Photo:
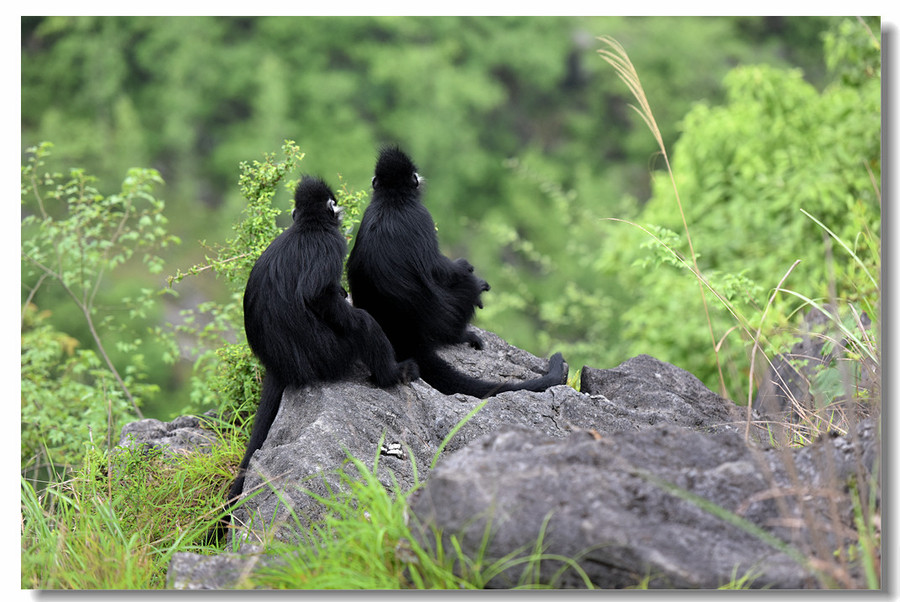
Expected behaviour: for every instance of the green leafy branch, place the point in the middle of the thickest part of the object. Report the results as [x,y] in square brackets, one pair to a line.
[224,372]
[93,235]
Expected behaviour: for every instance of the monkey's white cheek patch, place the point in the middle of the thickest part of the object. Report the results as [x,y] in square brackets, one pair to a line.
[335,208]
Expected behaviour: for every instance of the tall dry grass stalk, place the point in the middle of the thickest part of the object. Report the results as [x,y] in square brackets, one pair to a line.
[618,59]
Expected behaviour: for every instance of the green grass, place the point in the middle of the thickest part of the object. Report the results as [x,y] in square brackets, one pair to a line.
[117,521]
[367,542]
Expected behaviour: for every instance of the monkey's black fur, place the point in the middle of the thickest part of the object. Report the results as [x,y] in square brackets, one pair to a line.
[297,319]
[422,299]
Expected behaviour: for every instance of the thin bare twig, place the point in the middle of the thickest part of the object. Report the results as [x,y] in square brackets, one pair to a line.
[86,311]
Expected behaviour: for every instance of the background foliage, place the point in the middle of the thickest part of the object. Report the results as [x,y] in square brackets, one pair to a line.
[527,144]
[537,170]
[748,169]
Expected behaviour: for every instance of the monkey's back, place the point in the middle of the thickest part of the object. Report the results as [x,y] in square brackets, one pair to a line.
[291,276]
[397,273]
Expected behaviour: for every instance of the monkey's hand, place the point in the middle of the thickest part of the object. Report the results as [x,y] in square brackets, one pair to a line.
[409,370]
[463,263]
[474,340]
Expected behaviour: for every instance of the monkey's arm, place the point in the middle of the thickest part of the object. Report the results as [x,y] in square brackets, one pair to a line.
[368,338]
[464,263]
[332,308]
[457,276]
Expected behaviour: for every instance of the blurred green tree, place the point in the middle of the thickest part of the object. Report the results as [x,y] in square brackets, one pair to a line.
[492,108]
[746,172]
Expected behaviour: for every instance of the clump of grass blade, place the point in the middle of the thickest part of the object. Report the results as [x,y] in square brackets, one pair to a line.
[116,523]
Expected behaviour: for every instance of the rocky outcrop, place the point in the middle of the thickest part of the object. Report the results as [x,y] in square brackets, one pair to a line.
[644,391]
[680,508]
[184,434]
[318,426]
[617,471]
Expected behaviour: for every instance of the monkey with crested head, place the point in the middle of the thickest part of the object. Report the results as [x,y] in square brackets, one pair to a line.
[421,298]
[297,318]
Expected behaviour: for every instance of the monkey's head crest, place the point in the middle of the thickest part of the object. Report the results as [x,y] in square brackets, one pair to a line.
[395,169]
[313,197]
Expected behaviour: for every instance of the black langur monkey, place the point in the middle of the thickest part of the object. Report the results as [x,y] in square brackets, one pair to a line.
[297,319]
[422,299]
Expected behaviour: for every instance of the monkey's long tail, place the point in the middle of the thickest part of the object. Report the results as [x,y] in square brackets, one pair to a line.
[448,380]
[269,402]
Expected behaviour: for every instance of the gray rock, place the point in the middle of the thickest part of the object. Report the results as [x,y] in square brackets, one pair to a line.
[644,391]
[224,571]
[593,458]
[184,434]
[607,505]
[318,426]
